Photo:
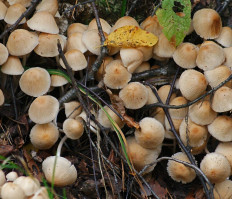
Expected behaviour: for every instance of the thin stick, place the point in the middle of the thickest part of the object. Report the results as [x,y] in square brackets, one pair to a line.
[132,7]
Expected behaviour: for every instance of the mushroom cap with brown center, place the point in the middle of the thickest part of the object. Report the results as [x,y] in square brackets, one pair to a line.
[73,128]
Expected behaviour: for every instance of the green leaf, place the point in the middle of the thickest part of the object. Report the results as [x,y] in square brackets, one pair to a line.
[175,27]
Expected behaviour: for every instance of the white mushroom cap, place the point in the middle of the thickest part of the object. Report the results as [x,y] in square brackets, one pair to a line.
[221,128]
[72,109]
[10,190]
[3,10]
[21,42]
[50,6]
[35,81]
[57,81]
[12,66]
[105,26]
[225,38]
[207,23]
[222,100]
[28,184]
[44,136]
[75,59]
[134,95]
[216,167]
[14,12]
[124,21]
[65,173]
[43,109]
[75,42]
[2,177]
[42,193]
[76,27]
[73,128]
[179,172]
[11,176]
[192,84]
[3,54]
[151,133]
[223,190]
[44,22]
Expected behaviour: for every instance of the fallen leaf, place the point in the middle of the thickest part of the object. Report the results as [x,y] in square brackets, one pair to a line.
[5,150]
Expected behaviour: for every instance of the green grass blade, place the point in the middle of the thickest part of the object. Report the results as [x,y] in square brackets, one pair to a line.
[123,8]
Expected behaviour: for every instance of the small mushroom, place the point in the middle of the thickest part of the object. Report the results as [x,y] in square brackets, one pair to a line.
[14,12]
[223,190]
[225,38]
[50,6]
[10,190]
[73,128]
[11,176]
[12,66]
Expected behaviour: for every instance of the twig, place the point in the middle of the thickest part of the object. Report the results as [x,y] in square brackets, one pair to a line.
[132,7]
[34,3]
[156,8]
[13,96]
[222,7]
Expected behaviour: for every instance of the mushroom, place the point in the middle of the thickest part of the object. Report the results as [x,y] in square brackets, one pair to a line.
[10,190]
[151,96]
[3,54]
[2,98]
[76,27]
[228,57]
[11,176]
[124,21]
[225,38]
[176,123]
[2,178]
[25,3]
[216,167]
[13,13]
[151,24]
[142,67]
[72,109]
[105,26]
[44,136]
[50,6]
[178,171]
[73,128]
[101,71]
[223,190]
[178,113]
[58,81]
[42,193]
[75,42]
[151,133]
[12,66]
[3,10]
[163,92]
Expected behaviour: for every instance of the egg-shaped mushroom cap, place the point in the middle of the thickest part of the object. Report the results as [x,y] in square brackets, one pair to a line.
[192,84]
[116,75]
[76,27]
[72,109]
[14,12]
[228,59]
[2,177]
[207,23]
[221,128]
[185,55]
[12,66]
[124,21]
[218,75]
[75,42]
[163,93]
[104,121]
[43,109]
[21,42]
[225,38]
[50,6]
[65,173]
[3,10]
[201,113]
[28,184]
[192,134]
[225,148]
[12,176]
[210,55]
[216,167]
[43,22]
[151,24]
[134,95]
[105,26]
[179,172]
[44,136]
[178,113]
[141,156]
[10,190]
[151,133]
[35,81]
[73,128]
[3,54]
[223,190]
[222,100]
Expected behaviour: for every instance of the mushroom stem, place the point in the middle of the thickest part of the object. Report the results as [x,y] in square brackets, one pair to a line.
[60,145]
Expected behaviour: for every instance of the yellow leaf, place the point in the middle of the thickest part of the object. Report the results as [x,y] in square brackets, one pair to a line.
[130,36]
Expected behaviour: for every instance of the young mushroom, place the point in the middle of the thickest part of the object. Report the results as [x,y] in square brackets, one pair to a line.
[10,190]
[223,190]
[73,128]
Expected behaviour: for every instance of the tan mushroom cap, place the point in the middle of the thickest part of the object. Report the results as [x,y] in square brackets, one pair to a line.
[44,136]
[221,128]
[12,66]
[134,95]
[210,55]
[164,48]
[228,57]
[222,100]
[14,12]
[73,128]
[159,114]
[44,22]
[47,46]
[225,38]
[57,81]
[116,75]
[225,148]
[201,113]
[75,42]
[11,190]
[2,98]
[223,190]
[151,96]
[101,71]
[176,122]
[131,58]
[21,42]
[178,113]
[105,26]
[185,55]
[151,133]
[72,109]
[25,3]
[179,172]
[140,156]
[35,81]
[3,54]
[104,121]
[147,52]
[76,60]
[216,167]
[218,75]
[151,24]
[192,84]
[65,172]
[43,109]
[124,21]
[3,10]
[12,176]
[76,27]
[207,23]
[143,67]
[193,134]
[163,93]
[50,6]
